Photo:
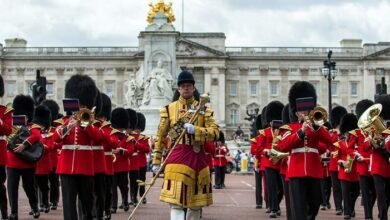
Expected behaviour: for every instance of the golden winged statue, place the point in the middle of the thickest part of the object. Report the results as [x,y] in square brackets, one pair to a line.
[160,6]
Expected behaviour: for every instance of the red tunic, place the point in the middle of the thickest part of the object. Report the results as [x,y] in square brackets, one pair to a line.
[220,155]
[304,153]
[13,161]
[143,148]
[357,137]
[124,142]
[333,166]
[345,150]
[44,165]
[379,165]
[265,144]
[98,150]
[255,152]
[76,155]
[5,130]
[108,148]
[209,148]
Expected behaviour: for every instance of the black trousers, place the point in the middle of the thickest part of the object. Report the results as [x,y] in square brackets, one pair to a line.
[336,186]
[74,186]
[367,188]
[29,186]
[265,189]
[382,187]
[219,176]
[326,185]
[54,181]
[108,193]
[120,181]
[259,187]
[274,188]
[43,186]
[133,176]
[99,188]
[306,197]
[3,193]
[350,192]
[142,176]
[287,197]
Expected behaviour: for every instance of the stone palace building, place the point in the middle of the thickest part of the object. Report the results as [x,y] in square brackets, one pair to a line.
[237,78]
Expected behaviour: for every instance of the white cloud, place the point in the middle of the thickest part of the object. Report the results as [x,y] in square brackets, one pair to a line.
[245,22]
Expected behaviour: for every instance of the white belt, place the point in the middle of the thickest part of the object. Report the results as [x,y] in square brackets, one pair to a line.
[76,147]
[220,155]
[304,150]
[97,147]
[108,153]
[4,138]
[134,154]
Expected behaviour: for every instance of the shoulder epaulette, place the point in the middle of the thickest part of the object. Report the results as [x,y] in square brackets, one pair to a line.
[130,138]
[105,123]
[336,144]
[36,126]
[262,132]
[114,131]
[387,131]
[353,132]
[164,111]
[60,121]
[143,137]
[286,127]
[253,140]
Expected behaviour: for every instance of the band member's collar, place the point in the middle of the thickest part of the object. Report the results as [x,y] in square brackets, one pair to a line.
[186,101]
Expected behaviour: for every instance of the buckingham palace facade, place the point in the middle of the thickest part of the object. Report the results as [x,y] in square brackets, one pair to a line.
[237,78]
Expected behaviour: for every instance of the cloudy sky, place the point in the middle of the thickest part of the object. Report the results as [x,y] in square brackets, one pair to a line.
[245,22]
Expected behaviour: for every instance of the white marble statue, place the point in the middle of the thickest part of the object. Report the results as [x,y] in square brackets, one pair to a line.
[131,93]
[158,84]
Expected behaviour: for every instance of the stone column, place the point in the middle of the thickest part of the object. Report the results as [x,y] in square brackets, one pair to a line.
[284,84]
[207,79]
[20,80]
[120,91]
[60,84]
[264,87]
[99,78]
[369,82]
[243,94]
[222,97]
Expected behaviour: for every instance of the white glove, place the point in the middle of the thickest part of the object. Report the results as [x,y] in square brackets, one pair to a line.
[190,128]
[155,168]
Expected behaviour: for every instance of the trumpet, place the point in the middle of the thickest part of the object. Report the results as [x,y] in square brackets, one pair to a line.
[348,164]
[85,117]
[318,116]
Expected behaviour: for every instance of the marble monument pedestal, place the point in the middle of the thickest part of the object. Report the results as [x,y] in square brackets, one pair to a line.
[152,114]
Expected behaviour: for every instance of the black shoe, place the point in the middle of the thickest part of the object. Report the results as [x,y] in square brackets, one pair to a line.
[113,210]
[328,206]
[144,201]
[223,186]
[279,213]
[339,211]
[353,214]
[126,208]
[107,217]
[347,217]
[36,214]
[268,211]
[323,207]
[121,206]
[135,202]
[53,206]
[46,209]
[272,215]
[259,206]
[13,217]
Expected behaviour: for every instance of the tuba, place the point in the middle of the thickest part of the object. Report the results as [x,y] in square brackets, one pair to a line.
[318,116]
[85,117]
[276,155]
[373,124]
[348,164]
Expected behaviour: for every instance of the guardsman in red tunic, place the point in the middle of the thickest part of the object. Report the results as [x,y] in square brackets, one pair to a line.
[258,174]
[76,163]
[44,165]
[348,175]
[380,166]
[303,144]
[16,166]
[54,182]
[364,150]
[220,161]
[143,148]
[5,130]
[335,118]
[133,158]
[326,182]
[267,140]
[105,128]
[119,123]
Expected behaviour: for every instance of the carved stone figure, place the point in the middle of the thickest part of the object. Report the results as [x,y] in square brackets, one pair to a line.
[158,84]
[131,93]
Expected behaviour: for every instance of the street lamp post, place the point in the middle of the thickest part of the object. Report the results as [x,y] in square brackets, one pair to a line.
[329,71]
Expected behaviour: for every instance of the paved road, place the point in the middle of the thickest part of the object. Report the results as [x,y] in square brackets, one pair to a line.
[237,201]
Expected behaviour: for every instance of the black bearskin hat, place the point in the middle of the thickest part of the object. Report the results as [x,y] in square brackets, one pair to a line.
[132,122]
[274,111]
[42,116]
[385,101]
[362,106]
[98,103]
[176,95]
[221,137]
[82,87]
[141,121]
[259,125]
[23,105]
[301,89]
[286,114]
[119,118]
[1,86]
[336,114]
[106,106]
[185,77]
[263,118]
[53,106]
[348,123]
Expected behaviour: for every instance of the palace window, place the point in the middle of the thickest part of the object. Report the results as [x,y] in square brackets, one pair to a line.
[11,88]
[354,88]
[110,88]
[335,91]
[233,88]
[253,88]
[50,88]
[274,90]
[233,117]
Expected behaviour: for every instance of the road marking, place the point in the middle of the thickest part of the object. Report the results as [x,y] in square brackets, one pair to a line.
[249,185]
[234,201]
